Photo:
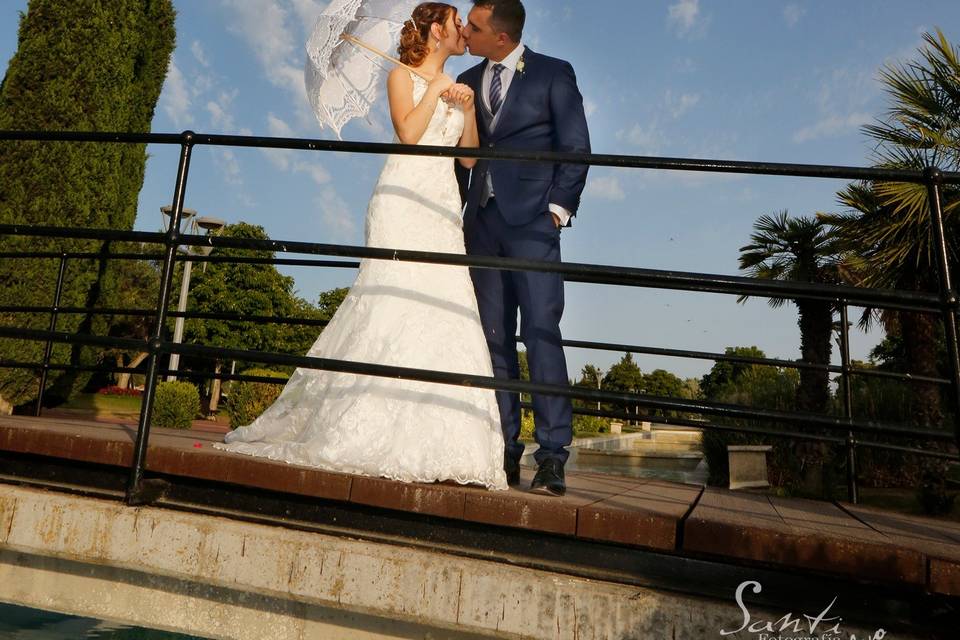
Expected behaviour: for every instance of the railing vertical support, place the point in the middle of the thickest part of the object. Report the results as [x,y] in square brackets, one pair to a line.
[853,494]
[136,493]
[48,350]
[948,295]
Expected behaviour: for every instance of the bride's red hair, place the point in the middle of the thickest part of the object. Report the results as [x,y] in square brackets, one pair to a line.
[415,36]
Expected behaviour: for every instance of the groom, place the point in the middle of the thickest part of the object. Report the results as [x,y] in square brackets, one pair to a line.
[529,102]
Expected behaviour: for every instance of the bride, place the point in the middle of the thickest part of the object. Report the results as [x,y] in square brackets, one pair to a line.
[399,313]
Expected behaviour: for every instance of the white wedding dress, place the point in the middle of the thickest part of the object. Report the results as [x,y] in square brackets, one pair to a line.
[402,314]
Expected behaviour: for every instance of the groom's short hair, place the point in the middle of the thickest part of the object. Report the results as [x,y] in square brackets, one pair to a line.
[508,16]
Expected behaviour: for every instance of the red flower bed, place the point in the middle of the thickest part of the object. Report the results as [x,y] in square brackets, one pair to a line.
[119,391]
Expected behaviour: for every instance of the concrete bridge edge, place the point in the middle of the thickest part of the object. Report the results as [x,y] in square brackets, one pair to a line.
[222,578]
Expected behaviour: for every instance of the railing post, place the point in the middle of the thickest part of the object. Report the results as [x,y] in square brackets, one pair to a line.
[846,391]
[48,350]
[136,493]
[948,295]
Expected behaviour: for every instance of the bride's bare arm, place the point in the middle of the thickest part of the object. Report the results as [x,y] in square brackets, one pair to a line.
[470,139]
[410,121]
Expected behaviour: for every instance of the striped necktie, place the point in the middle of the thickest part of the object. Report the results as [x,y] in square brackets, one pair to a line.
[496,100]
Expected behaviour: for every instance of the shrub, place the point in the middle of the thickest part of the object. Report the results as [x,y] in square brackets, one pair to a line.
[176,405]
[589,425]
[527,426]
[249,399]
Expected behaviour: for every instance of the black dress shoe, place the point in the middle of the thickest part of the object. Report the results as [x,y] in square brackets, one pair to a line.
[549,478]
[512,468]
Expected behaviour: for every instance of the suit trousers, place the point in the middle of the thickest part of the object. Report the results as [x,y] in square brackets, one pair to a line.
[539,298]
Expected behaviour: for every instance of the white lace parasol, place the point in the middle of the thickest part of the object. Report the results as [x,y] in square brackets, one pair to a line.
[343,80]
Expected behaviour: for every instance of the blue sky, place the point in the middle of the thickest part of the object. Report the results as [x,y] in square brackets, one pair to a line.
[770,80]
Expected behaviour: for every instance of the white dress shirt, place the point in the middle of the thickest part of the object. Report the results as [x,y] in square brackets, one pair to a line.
[506,78]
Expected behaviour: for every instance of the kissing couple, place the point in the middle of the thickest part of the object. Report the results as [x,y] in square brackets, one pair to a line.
[445,317]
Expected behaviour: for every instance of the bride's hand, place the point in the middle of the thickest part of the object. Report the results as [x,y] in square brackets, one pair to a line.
[460,94]
[440,84]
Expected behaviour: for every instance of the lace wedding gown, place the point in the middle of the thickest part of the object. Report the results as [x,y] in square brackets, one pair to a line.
[401,314]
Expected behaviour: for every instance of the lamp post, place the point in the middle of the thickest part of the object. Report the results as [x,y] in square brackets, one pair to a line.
[196,223]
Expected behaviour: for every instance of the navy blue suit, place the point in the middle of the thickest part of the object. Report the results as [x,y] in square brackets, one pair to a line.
[542,111]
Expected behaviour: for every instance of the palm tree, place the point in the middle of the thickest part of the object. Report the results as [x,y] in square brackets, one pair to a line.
[799,250]
[887,228]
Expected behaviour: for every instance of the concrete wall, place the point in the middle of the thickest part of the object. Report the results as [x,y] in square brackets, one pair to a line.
[222,578]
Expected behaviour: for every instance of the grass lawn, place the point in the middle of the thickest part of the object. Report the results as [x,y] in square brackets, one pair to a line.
[103,405]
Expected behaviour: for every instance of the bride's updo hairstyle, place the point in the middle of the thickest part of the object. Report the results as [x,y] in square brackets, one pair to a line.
[415,36]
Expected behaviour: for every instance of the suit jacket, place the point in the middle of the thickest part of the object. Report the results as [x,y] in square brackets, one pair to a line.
[542,111]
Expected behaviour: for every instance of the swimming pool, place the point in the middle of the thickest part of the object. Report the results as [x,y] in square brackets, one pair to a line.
[22,623]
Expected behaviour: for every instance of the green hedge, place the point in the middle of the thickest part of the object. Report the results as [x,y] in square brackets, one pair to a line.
[247,400]
[85,65]
[587,426]
[176,405]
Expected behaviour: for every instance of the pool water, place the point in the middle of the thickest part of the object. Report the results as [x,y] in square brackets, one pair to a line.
[22,623]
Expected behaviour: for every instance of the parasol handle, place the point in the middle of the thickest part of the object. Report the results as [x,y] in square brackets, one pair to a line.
[360,43]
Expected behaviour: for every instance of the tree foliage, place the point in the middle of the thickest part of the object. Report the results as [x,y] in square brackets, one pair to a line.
[888,229]
[761,387]
[247,290]
[800,249]
[84,65]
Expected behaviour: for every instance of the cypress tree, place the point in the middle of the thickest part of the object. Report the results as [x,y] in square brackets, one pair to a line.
[83,65]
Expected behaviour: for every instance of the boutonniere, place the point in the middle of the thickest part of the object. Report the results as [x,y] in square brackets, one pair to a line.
[521,64]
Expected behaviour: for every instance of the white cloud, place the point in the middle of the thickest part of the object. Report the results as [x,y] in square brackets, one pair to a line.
[685,18]
[264,26]
[678,105]
[684,65]
[275,31]
[844,101]
[199,54]
[792,14]
[832,126]
[335,216]
[227,161]
[307,12]
[606,188]
[290,160]
[589,107]
[220,111]
[648,140]
[277,128]
[175,97]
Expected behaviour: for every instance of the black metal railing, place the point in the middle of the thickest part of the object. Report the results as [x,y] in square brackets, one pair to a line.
[943,302]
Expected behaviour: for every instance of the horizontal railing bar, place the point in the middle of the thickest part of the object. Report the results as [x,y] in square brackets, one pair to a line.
[895,375]
[92,136]
[13,364]
[901,449]
[669,420]
[579,344]
[286,262]
[189,315]
[578,272]
[699,355]
[700,424]
[181,258]
[485,382]
[74,233]
[80,256]
[552,157]
[723,357]
[605,274]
